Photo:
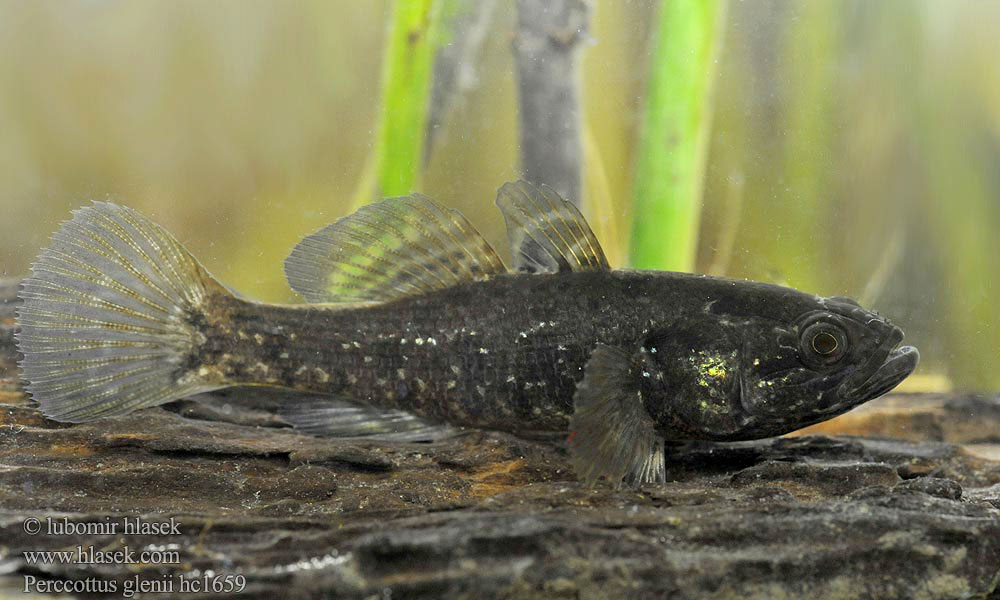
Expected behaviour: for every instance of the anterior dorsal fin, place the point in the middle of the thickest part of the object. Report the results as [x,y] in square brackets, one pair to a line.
[390,249]
[611,432]
[547,234]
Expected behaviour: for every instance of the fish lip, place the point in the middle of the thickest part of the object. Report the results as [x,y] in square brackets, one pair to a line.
[897,367]
[896,364]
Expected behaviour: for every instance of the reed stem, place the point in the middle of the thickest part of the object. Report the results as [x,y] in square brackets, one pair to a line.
[406,86]
[670,168]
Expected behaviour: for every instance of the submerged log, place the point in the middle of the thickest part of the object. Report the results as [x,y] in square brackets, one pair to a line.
[250,505]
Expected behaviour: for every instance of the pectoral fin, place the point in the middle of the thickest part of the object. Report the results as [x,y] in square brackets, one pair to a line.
[546,233]
[612,435]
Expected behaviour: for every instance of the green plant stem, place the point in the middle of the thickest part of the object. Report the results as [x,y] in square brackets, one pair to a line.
[406,86]
[670,168]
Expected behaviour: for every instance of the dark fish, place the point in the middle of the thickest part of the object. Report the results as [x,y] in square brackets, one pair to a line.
[414,324]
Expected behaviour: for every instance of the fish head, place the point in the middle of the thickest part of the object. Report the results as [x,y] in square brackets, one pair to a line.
[782,362]
[833,356]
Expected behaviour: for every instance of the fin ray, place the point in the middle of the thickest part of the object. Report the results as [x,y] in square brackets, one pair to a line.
[390,249]
[331,417]
[547,234]
[105,320]
[613,435]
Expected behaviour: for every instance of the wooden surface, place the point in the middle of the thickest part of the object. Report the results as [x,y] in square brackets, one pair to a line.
[487,515]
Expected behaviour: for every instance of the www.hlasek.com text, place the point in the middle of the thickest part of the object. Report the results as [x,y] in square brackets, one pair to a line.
[88,555]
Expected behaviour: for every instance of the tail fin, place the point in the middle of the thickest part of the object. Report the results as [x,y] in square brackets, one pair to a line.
[106,323]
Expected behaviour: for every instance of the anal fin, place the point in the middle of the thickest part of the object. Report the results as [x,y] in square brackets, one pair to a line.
[612,435]
[332,417]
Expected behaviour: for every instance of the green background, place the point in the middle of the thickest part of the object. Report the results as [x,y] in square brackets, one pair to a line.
[854,146]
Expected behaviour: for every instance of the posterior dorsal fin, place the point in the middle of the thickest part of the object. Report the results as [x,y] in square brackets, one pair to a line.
[386,250]
[612,435]
[547,234]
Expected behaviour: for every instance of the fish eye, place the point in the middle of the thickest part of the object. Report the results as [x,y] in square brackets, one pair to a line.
[824,342]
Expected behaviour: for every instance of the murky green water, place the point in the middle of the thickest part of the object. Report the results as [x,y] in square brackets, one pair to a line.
[853,145]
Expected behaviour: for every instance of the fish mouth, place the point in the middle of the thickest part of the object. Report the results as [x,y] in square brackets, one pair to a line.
[896,363]
[894,370]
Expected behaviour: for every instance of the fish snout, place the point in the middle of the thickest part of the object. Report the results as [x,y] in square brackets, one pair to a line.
[887,367]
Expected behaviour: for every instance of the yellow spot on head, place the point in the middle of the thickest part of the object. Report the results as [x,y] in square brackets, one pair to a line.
[712,365]
[716,371]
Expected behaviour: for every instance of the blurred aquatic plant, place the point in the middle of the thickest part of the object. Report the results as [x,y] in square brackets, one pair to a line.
[852,142]
[604,217]
[620,36]
[548,40]
[397,157]
[673,143]
[457,61]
